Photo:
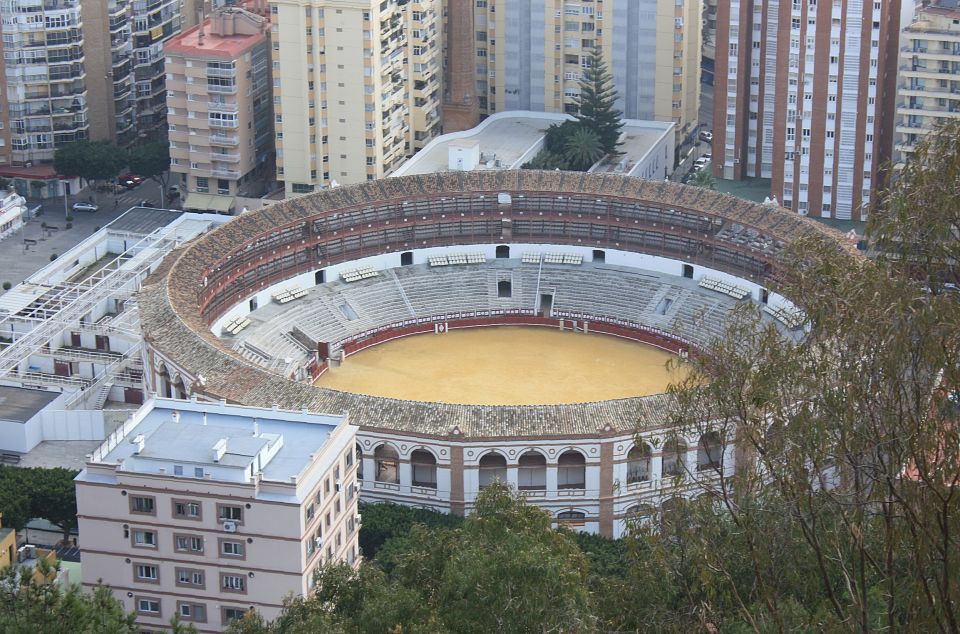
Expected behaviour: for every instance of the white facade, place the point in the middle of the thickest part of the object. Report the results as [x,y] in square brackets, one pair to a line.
[12,208]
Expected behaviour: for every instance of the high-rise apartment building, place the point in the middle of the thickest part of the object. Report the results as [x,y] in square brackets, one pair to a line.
[109,60]
[804,96]
[154,22]
[356,87]
[530,55]
[219,107]
[206,510]
[44,97]
[928,92]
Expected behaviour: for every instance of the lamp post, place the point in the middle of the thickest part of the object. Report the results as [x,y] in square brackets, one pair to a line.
[66,211]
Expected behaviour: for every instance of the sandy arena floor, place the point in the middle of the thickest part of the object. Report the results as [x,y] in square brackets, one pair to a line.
[505,366]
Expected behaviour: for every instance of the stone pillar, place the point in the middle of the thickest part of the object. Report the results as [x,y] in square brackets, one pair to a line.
[456,480]
[606,489]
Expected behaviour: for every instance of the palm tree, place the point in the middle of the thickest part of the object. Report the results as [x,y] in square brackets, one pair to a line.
[704,179]
[583,149]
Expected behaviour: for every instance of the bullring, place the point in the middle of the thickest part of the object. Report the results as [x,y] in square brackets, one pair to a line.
[581,461]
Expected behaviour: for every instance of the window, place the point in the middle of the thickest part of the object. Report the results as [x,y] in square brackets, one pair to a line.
[144,539]
[190,577]
[673,454]
[196,612]
[229,548]
[187,509]
[493,468]
[233,583]
[143,504]
[424,467]
[709,452]
[203,184]
[148,606]
[146,572]
[638,464]
[188,544]
[532,472]
[571,470]
[229,513]
[232,614]
[387,461]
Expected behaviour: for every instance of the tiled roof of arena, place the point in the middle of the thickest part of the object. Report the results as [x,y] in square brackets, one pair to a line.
[175,325]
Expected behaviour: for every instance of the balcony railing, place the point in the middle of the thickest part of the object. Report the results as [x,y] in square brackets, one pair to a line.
[226,158]
[225,173]
[224,90]
[230,140]
[222,107]
[219,123]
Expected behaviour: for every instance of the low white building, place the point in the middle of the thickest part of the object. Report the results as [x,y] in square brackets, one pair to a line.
[206,510]
[13,207]
[507,140]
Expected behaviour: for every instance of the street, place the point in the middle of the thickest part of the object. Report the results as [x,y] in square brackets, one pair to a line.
[20,259]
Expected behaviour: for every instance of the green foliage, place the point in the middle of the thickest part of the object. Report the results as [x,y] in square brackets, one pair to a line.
[7,286]
[26,493]
[595,104]
[382,522]
[152,160]
[90,160]
[704,179]
[583,149]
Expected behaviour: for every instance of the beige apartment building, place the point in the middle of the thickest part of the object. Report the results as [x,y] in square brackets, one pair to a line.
[928,91]
[530,55]
[206,510]
[356,88]
[219,110]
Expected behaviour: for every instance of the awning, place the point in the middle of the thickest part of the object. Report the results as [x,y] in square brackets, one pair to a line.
[208,202]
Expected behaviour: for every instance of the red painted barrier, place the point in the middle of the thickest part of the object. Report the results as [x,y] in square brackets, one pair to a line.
[389,333]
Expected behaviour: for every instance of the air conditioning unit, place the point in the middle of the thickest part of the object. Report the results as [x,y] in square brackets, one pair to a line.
[339,485]
[318,541]
[359,520]
[230,527]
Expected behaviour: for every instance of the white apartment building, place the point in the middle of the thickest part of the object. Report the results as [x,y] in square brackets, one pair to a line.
[928,91]
[45,91]
[530,55]
[804,96]
[356,87]
[208,510]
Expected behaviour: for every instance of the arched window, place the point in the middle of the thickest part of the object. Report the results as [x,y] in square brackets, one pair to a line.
[639,514]
[388,463]
[532,472]
[179,390]
[709,451]
[503,251]
[504,288]
[571,518]
[638,464]
[571,470]
[671,513]
[673,454]
[493,468]
[359,462]
[424,467]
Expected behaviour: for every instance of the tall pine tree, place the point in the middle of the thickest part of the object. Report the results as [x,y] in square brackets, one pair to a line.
[595,104]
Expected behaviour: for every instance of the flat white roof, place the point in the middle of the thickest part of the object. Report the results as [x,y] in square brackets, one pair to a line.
[514,137]
[280,444]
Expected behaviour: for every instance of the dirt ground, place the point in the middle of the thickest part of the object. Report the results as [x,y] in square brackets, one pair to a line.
[505,366]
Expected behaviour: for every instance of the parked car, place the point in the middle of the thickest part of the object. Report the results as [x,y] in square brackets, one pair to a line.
[85,207]
[707,156]
[706,135]
[146,203]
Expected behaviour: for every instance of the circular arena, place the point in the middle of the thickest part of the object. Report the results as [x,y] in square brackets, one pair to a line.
[259,310]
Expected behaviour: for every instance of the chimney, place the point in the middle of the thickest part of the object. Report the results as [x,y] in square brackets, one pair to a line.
[219,449]
[256,427]
[204,418]
[201,33]
[140,441]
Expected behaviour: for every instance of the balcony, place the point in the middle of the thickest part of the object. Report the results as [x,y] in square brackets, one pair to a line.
[223,90]
[226,158]
[215,106]
[219,123]
[225,140]
[225,173]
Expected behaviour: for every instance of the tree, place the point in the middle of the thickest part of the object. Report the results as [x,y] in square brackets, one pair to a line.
[583,149]
[152,160]
[26,493]
[595,104]
[505,570]
[843,512]
[703,179]
[90,160]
